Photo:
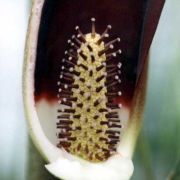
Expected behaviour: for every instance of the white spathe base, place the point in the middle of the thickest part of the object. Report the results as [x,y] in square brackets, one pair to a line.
[69,168]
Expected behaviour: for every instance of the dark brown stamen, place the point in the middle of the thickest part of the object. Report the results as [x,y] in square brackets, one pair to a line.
[80,105]
[112,132]
[99,157]
[112,42]
[75,46]
[82,93]
[105,50]
[113,106]
[91,73]
[79,147]
[100,67]
[114,120]
[77,116]
[64,135]
[72,138]
[83,66]
[90,48]
[109,75]
[66,128]
[63,116]
[69,111]
[115,126]
[100,78]
[66,103]
[112,70]
[82,80]
[86,149]
[64,144]
[71,99]
[93,27]
[113,137]
[71,53]
[111,115]
[104,123]
[77,40]
[67,79]
[104,35]
[92,58]
[99,89]
[64,122]
[113,142]
[82,55]
[65,92]
[99,131]
[114,93]
[69,62]
[67,74]
[102,110]
[103,139]
[96,103]
[96,117]
[111,84]
[114,54]
[80,34]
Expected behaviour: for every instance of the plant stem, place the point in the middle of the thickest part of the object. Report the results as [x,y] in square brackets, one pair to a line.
[175,173]
[35,166]
[144,150]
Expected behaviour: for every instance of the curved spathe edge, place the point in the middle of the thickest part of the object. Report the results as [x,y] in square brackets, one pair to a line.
[128,143]
[48,150]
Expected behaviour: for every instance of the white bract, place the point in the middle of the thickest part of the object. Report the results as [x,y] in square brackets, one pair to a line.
[69,168]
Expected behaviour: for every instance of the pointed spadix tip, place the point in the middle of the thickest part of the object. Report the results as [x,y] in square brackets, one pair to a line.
[93,19]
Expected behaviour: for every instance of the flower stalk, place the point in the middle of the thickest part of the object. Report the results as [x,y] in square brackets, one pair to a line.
[35,165]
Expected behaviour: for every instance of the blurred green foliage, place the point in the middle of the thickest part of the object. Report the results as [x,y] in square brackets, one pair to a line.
[158,148]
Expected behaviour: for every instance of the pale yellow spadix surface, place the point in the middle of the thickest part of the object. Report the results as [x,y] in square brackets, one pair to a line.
[87,144]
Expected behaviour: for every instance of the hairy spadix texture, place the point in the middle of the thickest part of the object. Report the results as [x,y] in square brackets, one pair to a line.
[88,116]
[89,122]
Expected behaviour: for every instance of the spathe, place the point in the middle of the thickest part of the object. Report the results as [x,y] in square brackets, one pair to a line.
[134,21]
